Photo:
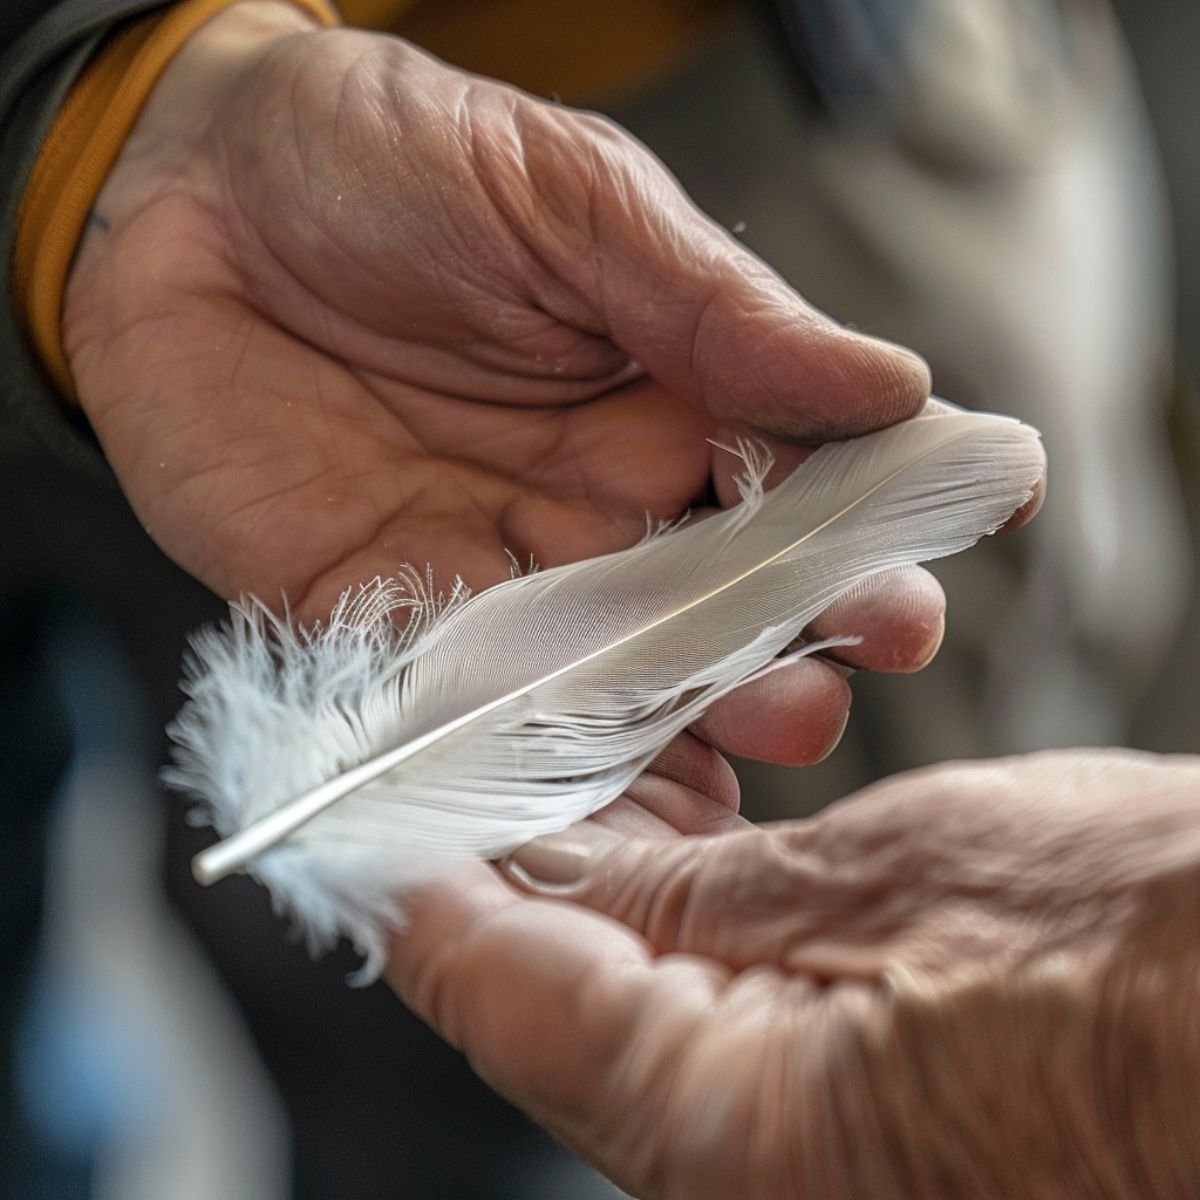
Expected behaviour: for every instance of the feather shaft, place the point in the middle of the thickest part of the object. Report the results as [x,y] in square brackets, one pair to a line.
[344,764]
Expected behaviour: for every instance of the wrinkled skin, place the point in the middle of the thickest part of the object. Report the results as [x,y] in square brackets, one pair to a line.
[342,307]
[977,980]
[373,308]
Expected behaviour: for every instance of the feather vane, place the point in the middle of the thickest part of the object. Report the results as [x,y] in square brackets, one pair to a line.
[350,762]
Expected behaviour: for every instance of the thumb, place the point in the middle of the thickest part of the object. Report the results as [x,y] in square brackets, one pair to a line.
[712,322]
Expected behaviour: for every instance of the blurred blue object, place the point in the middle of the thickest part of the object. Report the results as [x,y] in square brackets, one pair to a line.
[79,1077]
[849,51]
[133,1079]
[82,1077]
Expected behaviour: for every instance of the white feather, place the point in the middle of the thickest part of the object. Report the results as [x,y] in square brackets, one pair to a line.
[540,700]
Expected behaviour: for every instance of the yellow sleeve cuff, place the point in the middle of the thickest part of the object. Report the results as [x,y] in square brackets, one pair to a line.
[83,143]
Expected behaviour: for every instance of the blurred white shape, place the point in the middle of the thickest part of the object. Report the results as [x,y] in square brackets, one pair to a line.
[198,1118]
[1005,216]
[1019,213]
[983,82]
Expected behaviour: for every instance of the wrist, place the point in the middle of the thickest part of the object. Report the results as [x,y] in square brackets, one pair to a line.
[136,118]
[169,143]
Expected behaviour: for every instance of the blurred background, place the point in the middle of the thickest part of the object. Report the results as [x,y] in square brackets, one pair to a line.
[989,181]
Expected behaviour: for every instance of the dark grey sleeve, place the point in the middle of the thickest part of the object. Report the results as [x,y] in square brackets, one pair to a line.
[43,47]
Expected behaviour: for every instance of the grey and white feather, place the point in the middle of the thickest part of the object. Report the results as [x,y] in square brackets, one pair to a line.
[480,722]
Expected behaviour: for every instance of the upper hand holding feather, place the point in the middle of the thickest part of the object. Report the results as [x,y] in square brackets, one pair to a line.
[351,308]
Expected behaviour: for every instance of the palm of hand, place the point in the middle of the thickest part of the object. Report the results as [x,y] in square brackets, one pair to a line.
[961,983]
[355,383]
[373,310]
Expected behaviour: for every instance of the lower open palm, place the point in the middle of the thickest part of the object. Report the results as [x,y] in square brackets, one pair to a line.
[976,980]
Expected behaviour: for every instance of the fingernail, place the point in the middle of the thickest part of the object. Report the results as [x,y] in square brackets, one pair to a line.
[908,375]
[559,861]
[929,651]
[913,362]
[836,740]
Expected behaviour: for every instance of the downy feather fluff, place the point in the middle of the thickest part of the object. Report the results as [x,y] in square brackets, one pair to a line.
[554,690]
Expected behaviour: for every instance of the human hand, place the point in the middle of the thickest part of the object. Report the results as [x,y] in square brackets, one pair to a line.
[346,307]
[976,980]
